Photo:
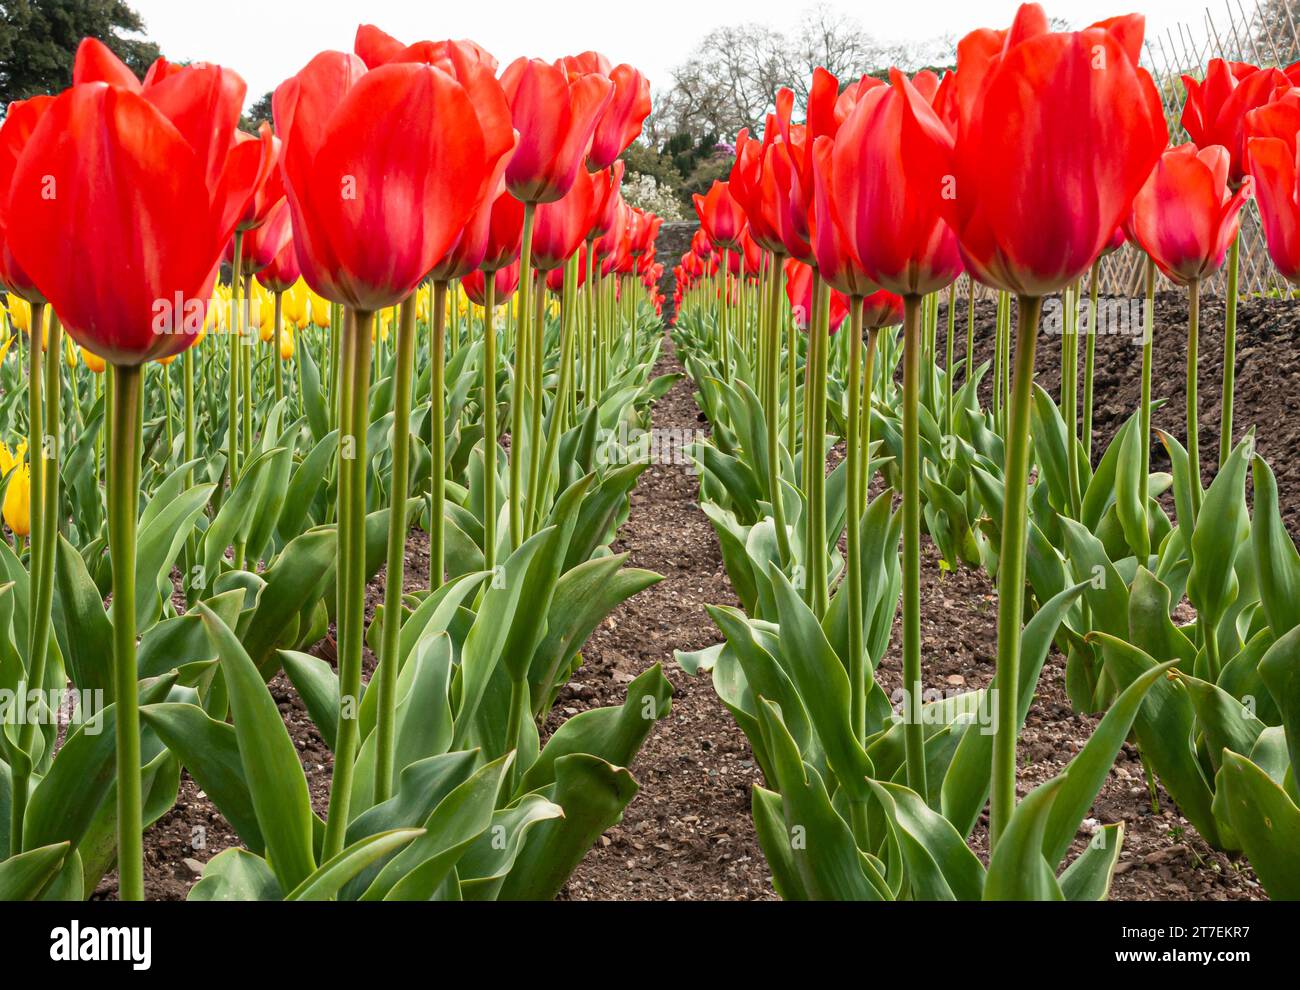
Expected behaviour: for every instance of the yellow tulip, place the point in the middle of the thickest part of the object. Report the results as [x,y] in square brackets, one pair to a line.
[261,311]
[70,354]
[20,312]
[164,361]
[4,347]
[286,345]
[93,361]
[218,307]
[320,311]
[295,306]
[17,504]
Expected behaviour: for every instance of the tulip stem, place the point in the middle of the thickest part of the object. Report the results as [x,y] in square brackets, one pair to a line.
[559,408]
[1229,351]
[1144,410]
[864,428]
[336,328]
[786,328]
[914,731]
[537,355]
[1011,570]
[246,384]
[853,563]
[351,569]
[279,329]
[814,467]
[588,347]
[1090,360]
[187,413]
[43,511]
[948,355]
[1193,371]
[123,503]
[522,338]
[395,573]
[771,393]
[232,426]
[489,422]
[998,424]
[970,332]
[1070,393]
[723,334]
[437,435]
[165,374]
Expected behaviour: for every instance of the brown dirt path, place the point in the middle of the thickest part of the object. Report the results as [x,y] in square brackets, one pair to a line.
[688,835]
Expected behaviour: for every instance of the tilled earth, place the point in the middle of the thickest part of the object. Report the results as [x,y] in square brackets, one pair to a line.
[688,833]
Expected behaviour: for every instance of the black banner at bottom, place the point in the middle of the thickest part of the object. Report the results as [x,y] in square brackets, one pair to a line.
[337,940]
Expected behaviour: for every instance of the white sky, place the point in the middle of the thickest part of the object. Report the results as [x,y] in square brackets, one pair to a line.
[268,40]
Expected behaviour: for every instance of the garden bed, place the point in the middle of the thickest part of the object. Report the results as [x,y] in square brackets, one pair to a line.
[688,834]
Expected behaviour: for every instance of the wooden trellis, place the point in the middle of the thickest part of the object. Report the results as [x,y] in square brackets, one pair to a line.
[1240,33]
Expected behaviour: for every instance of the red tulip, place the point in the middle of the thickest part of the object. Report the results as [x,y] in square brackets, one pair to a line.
[148,184]
[271,250]
[754,255]
[562,226]
[882,309]
[619,258]
[466,62]
[781,188]
[799,291]
[555,277]
[642,232]
[475,69]
[607,186]
[556,118]
[644,262]
[882,200]
[1271,156]
[700,243]
[850,95]
[504,281]
[1216,108]
[1186,217]
[1031,212]
[376,48]
[467,254]
[747,188]
[399,153]
[270,190]
[837,262]
[616,238]
[491,237]
[20,121]
[822,121]
[721,217]
[505,233]
[621,122]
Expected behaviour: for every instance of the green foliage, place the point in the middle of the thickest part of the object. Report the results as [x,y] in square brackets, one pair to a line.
[39,38]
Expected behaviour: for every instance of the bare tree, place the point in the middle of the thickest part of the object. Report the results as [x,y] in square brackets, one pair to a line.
[730,79]
[1277,31]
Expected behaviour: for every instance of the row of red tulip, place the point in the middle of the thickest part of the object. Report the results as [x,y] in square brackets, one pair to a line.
[387,167]
[904,186]
[422,145]
[1043,151]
